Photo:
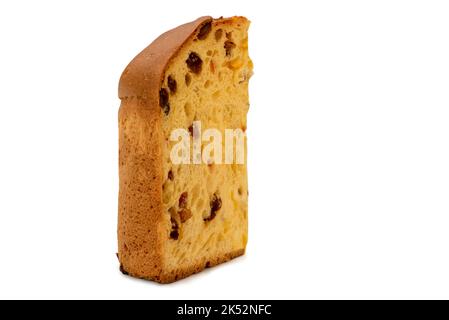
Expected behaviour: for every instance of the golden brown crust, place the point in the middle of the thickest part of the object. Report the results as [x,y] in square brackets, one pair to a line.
[183,273]
[140,175]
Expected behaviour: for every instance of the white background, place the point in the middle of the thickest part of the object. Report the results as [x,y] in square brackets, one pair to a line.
[348,148]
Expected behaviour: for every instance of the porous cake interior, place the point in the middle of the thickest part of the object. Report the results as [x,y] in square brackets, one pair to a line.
[206,204]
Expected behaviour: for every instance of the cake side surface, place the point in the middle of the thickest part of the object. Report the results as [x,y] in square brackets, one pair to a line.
[140,248]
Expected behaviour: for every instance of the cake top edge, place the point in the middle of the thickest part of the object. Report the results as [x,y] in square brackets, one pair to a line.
[144,74]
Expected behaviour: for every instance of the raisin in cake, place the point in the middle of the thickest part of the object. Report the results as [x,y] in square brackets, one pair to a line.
[177,219]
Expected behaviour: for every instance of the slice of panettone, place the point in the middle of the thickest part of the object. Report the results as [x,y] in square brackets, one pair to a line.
[181,214]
